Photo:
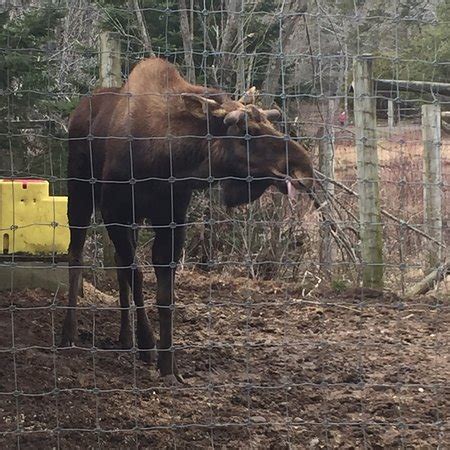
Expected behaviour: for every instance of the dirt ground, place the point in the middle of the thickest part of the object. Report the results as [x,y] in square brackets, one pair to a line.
[264,366]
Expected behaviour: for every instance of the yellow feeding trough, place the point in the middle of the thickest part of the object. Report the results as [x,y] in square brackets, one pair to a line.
[32,221]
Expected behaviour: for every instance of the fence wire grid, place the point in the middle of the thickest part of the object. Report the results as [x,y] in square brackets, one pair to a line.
[304,318]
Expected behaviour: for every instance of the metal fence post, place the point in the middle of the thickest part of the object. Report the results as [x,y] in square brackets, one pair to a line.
[367,163]
[432,178]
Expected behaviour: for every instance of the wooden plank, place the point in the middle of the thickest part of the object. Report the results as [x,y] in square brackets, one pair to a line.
[425,87]
[429,282]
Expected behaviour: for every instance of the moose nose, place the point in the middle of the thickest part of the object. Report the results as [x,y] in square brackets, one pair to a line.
[298,178]
[302,180]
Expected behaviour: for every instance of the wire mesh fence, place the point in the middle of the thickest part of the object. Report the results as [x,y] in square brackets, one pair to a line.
[289,160]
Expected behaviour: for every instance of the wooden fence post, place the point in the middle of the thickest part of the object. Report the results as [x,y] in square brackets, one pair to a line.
[390,114]
[432,178]
[110,70]
[110,76]
[326,166]
[371,229]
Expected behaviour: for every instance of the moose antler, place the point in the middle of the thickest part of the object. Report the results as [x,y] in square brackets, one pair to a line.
[250,96]
[233,117]
[272,114]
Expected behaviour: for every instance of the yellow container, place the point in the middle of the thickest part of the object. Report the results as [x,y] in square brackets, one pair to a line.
[31,221]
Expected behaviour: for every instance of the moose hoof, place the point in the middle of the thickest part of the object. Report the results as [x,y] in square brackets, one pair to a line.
[68,337]
[69,330]
[173,380]
[167,366]
[67,342]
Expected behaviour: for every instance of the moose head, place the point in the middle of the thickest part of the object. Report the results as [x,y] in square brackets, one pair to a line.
[251,148]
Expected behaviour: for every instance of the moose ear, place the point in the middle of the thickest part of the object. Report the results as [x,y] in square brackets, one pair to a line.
[201,107]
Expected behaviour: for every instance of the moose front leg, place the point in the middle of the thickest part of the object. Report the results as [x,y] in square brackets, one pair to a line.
[79,214]
[69,331]
[166,253]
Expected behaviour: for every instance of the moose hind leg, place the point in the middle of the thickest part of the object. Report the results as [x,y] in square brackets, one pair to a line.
[125,250]
[125,335]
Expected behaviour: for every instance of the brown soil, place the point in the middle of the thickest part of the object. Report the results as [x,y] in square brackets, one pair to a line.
[265,368]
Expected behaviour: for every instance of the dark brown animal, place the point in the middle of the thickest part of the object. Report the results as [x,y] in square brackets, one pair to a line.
[137,152]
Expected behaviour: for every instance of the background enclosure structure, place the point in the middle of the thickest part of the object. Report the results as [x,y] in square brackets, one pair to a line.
[279,344]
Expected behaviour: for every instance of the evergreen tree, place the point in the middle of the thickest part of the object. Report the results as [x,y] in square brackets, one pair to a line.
[27,82]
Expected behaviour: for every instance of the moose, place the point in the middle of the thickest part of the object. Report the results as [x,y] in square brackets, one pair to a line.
[137,153]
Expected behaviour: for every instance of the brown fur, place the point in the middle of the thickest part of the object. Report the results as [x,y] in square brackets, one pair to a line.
[138,152]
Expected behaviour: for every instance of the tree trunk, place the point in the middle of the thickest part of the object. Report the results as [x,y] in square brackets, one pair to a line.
[229,33]
[142,28]
[272,80]
[187,41]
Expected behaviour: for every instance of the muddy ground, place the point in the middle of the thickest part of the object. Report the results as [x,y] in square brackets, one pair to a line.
[264,366]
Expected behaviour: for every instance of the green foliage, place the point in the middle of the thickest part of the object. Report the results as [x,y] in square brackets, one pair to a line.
[339,285]
[422,52]
[26,43]
[428,56]
[162,20]
[27,80]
